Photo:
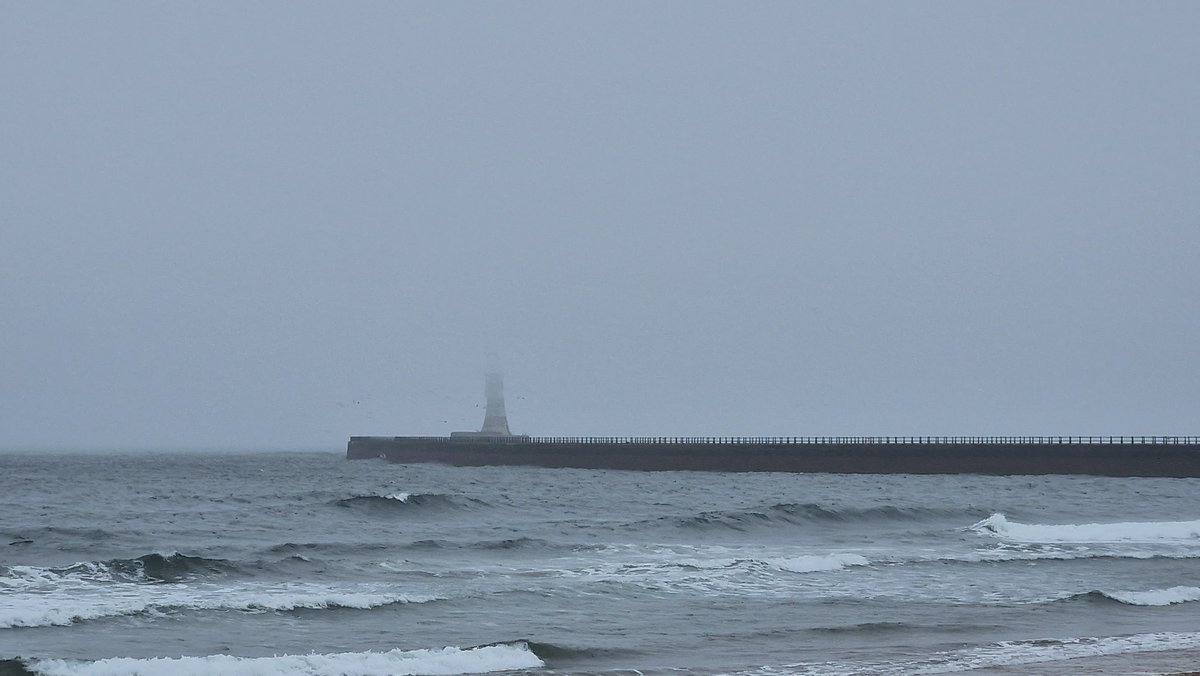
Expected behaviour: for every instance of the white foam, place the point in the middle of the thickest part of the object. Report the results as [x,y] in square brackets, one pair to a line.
[1059,553]
[1156,597]
[707,564]
[402,497]
[756,571]
[741,560]
[1144,532]
[25,578]
[443,661]
[1001,655]
[70,601]
[1016,653]
[815,563]
[20,578]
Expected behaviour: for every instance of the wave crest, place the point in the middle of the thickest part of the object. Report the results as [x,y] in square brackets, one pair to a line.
[446,661]
[997,525]
[815,563]
[1155,597]
[1008,656]
[155,568]
[171,567]
[75,601]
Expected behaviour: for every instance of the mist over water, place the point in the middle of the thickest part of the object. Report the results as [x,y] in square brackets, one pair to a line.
[275,227]
[312,564]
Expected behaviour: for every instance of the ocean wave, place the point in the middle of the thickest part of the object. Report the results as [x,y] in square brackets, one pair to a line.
[1052,553]
[1001,655]
[170,567]
[712,571]
[817,512]
[1151,597]
[408,501]
[445,661]
[1017,653]
[1157,597]
[148,568]
[817,563]
[58,534]
[65,605]
[813,513]
[85,533]
[487,545]
[339,548]
[557,654]
[342,549]
[998,525]
[15,667]
[805,563]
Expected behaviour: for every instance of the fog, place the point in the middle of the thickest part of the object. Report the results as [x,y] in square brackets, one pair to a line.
[279,224]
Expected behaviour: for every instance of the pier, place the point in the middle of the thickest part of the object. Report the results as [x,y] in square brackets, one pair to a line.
[940,440]
[494,444]
[1130,456]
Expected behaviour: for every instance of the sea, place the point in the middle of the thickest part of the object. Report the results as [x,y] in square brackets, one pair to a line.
[309,563]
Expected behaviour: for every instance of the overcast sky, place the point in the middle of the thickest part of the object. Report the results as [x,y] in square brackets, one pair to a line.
[278,224]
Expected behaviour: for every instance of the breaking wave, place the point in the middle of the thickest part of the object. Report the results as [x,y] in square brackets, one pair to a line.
[449,660]
[713,573]
[558,654]
[1157,597]
[815,563]
[148,568]
[1008,554]
[60,601]
[168,568]
[1038,651]
[998,525]
[1151,597]
[1004,655]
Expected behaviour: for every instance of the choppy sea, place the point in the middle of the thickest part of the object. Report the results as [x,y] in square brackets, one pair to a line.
[307,563]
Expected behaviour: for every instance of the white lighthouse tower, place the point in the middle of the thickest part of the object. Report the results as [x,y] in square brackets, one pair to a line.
[495,419]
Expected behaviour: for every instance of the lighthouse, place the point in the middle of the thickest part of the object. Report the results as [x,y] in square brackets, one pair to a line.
[495,420]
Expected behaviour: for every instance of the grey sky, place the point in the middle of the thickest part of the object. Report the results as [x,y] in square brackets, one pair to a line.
[280,224]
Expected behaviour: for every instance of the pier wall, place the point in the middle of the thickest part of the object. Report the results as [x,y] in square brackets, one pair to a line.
[1105,456]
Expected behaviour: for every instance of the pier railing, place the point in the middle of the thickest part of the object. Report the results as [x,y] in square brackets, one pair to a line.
[760,441]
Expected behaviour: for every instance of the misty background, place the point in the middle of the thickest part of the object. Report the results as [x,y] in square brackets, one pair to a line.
[277,224]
